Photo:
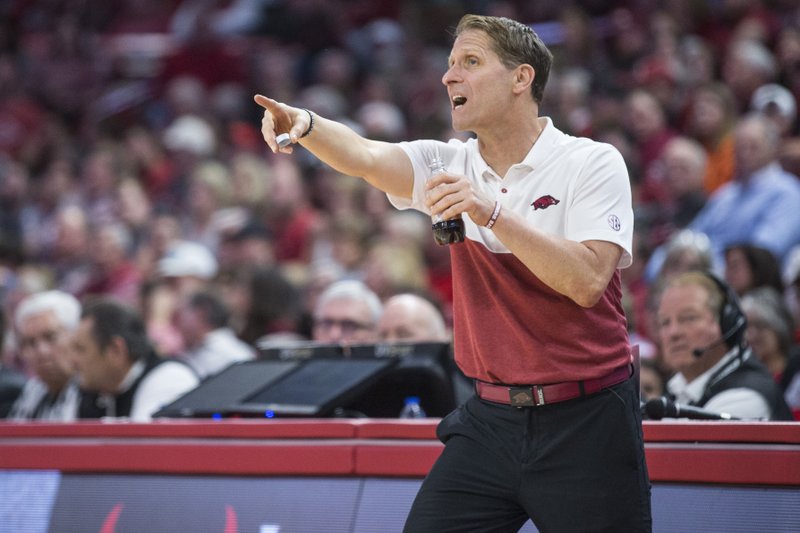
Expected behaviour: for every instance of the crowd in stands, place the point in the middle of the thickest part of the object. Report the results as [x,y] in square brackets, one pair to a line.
[132,168]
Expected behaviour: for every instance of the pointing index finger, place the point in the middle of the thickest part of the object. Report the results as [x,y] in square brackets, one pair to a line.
[267,103]
[276,122]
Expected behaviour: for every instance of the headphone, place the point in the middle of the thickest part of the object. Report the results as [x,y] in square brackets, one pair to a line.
[732,320]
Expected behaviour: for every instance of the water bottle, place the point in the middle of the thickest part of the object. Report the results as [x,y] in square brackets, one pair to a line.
[445,231]
[412,408]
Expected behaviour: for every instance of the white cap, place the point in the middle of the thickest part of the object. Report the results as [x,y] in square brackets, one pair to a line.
[187,258]
[192,134]
[775,95]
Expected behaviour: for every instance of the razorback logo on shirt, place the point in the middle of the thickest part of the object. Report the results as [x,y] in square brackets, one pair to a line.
[544,202]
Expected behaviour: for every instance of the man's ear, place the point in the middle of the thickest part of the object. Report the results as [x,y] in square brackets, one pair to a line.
[117,351]
[523,78]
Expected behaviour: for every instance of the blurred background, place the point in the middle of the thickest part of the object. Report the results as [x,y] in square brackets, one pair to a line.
[127,128]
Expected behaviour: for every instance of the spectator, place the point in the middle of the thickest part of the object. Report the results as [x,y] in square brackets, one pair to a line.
[134,211]
[647,123]
[172,269]
[14,190]
[780,105]
[188,266]
[189,140]
[157,302]
[211,346]
[163,232]
[661,71]
[99,177]
[251,180]
[112,272]
[117,365]
[228,19]
[148,160]
[777,103]
[748,64]
[65,75]
[201,53]
[684,163]
[788,56]
[698,61]
[344,242]
[762,206]
[634,304]
[712,116]
[347,312]
[44,324]
[769,332]
[791,280]
[652,383]
[209,202]
[702,328]
[11,381]
[24,116]
[274,307]
[382,120]
[70,260]
[749,267]
[411,318]
[686,250]
[389,269]
[250,246]
[289,213]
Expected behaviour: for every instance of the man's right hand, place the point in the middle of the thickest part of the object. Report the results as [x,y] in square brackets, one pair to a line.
[281,118]
[384,165]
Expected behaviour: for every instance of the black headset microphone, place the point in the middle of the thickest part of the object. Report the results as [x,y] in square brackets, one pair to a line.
[698,352]
[732,320]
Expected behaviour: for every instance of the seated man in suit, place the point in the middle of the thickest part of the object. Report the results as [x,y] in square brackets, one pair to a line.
[117,363]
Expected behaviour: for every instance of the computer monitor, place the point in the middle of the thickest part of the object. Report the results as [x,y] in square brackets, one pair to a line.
[423,369]
[322,380]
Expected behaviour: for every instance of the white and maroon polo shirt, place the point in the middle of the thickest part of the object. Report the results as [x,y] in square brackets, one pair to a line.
[509,327]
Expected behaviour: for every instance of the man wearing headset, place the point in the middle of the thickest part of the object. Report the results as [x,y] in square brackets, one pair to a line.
[701,328]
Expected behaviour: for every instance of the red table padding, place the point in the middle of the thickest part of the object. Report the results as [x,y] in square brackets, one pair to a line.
[693,452]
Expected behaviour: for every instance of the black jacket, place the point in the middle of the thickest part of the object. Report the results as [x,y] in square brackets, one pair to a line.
[749,373]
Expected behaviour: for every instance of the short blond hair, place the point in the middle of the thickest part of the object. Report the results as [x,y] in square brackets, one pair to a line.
[516,44]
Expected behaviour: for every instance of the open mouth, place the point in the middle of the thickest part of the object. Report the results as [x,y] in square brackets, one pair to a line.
[458,101]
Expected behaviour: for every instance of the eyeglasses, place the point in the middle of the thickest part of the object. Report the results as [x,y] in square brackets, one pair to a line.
[345,325]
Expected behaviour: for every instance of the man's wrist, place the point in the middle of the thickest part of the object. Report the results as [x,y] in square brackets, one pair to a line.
[310,123]
[495,213]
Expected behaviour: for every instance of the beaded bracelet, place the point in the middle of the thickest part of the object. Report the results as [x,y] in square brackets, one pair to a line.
[495,214]
[310,124]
